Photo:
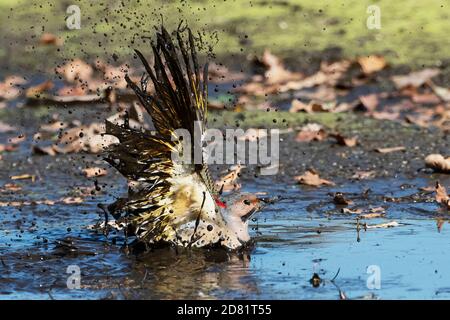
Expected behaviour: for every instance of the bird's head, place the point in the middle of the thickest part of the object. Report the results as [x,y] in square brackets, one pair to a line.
[239,212]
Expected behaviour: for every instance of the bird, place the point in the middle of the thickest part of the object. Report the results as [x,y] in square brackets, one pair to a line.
[170,202]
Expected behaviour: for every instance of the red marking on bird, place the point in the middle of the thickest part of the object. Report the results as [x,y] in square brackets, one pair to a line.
[220,203]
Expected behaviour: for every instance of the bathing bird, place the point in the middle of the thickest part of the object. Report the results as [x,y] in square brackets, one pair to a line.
[169,201]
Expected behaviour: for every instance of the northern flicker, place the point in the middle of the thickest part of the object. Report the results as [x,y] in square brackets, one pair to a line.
[171,202]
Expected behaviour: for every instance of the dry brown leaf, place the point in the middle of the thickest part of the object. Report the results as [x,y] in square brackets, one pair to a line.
[276,72]
[343,141]
[372,63]
[438,162]
[44,150]
[369,101]
[383,115]
[76,70]
[442,93]
[37,90]
[311,178]
[8,90]
[428,189]
[425,98]
[441,195]
[415,79]
[94,172]
[229,182]
[50,39]
[311,107]
[311,132]
[389,150]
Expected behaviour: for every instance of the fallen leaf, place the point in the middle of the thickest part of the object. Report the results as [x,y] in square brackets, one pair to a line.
[311,178]
[441,195]
[389,150]
[44,150]
[414,79]
[390,224]
[425,98]
[442,93]
[37,90]
[311,107]
[372,63]
[369,101]
[50,39]
[383,115]
[276,72]
[438,163]
[311,132]
[94,172]
[343,141]
[76,70]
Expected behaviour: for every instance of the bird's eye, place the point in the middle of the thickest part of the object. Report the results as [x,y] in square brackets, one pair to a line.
[247,202]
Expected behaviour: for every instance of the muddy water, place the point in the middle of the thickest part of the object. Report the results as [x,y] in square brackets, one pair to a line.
[302,234]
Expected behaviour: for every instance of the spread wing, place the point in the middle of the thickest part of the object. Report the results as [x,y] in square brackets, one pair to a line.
[179,101]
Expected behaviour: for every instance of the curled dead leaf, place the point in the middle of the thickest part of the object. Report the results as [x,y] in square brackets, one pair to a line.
[438,163]
[344,141]
[415,79]
[76,70]
[311,132]
[441,196]
[50,39]
[311,178]
[372,63]
[37,90]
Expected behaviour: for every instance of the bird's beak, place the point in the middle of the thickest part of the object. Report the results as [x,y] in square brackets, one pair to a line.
[266,200]
[248,215]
